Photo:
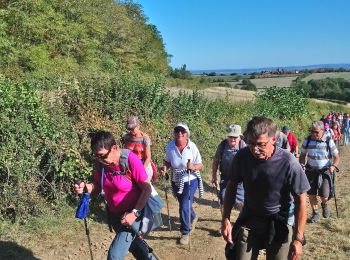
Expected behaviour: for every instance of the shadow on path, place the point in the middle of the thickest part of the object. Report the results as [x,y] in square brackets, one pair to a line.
[10,250]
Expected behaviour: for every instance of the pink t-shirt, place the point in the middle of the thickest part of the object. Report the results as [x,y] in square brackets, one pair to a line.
[121,193]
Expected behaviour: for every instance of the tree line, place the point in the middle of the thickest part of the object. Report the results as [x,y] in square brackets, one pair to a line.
[82,37]
[328,88]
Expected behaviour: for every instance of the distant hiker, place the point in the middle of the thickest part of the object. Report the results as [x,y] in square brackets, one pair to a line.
[336,134]
[292,140]
[328,119]
[225,152]
[271,177]
[328,132]
[282,141]
[346,128]
[139,142]
[125,197]
[319,156]
[182,155]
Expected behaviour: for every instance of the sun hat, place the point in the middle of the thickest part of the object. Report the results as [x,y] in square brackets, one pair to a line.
[234,130]
[182,126]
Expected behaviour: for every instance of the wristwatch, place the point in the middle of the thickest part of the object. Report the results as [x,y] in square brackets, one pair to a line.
[301,240]
[136,212]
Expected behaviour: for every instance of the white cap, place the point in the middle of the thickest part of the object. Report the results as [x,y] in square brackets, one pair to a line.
[184,126]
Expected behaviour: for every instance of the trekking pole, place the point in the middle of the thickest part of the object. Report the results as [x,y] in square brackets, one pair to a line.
[218,198]
[335,197]
[84,215]
[167,201]
[87,232]
[150,249]
[189,205]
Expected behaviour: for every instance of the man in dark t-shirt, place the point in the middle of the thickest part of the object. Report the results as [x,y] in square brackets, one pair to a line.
[273,181]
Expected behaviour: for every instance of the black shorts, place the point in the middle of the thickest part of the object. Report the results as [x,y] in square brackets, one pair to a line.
[315,183]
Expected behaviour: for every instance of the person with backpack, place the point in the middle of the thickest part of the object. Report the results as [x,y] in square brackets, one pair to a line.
[125,188]
[328,132]
[292,140]
[336,134]
[319,156]
[183,157]
[282,140]
[139,142]
[275,194]
[346,129]
[225,152]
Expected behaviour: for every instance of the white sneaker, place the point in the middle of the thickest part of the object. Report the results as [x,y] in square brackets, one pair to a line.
[185,239]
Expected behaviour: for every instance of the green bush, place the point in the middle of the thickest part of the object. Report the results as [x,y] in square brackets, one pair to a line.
[283,103]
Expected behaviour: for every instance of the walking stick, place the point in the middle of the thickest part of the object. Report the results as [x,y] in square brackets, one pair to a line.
[167,201]
[189,204]
[150,249]
[335,197]
[82,213]
[218,198]
[87,232]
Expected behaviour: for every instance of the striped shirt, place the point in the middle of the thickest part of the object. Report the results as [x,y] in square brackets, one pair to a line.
[318,156]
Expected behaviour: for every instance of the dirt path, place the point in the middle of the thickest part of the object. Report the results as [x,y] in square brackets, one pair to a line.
[328,239]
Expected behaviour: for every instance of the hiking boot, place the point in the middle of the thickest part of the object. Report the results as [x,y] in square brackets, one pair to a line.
[325,210]
[315,218]
[185,239]
[193,224]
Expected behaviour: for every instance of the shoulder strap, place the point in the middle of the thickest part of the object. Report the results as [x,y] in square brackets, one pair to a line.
[308,142]
[240,144]
[123,160]
[124,167]
[222,147]
[329,147]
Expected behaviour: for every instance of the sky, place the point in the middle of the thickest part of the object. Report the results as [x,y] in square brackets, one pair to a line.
[238,34]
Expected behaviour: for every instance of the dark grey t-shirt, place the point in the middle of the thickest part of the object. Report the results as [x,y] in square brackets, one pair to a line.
[269,184]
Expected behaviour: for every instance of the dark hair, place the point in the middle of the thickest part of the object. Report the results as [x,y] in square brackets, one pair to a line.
[101,139]
[260,125]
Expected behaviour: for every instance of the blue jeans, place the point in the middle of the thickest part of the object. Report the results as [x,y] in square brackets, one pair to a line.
[125,240]
[239,193]
[185,204]
[346,136]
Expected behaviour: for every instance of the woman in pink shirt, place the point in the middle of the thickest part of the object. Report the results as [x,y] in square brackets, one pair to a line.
[126,192]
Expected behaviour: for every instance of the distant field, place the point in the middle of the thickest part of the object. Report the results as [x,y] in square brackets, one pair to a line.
[344,75]
[229,82]
[233,95]
[270,82]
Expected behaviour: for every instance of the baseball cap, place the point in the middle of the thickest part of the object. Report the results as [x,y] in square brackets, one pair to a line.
[285,129]
[182,126]
[132,122]
[234,130]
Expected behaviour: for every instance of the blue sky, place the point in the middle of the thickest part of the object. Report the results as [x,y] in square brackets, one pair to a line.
[235,34]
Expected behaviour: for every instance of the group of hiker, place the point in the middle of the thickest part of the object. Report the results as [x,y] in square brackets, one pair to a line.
[262,175]
[337,126]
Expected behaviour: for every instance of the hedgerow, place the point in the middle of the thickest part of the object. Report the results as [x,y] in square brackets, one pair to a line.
[45,125]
